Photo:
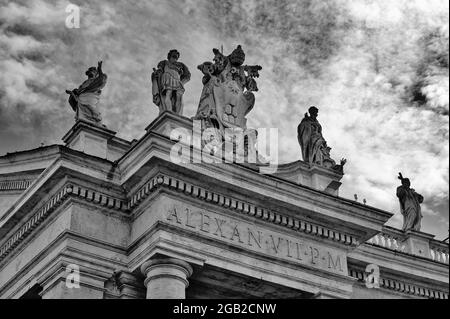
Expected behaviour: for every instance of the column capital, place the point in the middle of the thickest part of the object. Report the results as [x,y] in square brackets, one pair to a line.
[146,266]
[166,278]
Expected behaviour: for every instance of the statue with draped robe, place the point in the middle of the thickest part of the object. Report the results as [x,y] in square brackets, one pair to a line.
[409,205]
[84,99]
[314,147]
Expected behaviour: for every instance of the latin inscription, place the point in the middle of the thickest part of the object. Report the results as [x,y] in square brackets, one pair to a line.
[250,236]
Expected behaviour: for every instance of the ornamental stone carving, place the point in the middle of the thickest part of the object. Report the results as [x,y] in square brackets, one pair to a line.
[227,97]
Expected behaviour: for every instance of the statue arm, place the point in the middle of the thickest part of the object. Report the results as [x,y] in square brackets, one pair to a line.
[252,70]
[99,68]
[400,192]
[97,84]
[419,198]
[304,135]
[186,77]
[401,198]
[161,65]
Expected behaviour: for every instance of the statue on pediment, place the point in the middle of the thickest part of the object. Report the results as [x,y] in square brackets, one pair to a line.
[409,205]
[314,146]
[168,81]
[85,98]
[227,95]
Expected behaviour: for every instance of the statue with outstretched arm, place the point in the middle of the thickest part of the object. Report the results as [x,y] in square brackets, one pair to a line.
[85,98]
[409,205]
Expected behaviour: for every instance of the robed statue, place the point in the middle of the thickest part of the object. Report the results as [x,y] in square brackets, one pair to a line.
[314,147]
[409,205]
[168,81]
[84,100]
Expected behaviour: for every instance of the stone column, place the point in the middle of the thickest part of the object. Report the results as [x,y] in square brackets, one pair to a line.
[166,278]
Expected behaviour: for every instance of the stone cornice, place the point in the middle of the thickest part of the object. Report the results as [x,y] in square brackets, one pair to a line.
[242,207]
[37,218]
[66,163]
[399,262]
[41,214]
[400,286]
[14,185]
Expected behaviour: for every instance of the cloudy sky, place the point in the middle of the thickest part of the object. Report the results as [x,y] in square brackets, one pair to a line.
[377,70]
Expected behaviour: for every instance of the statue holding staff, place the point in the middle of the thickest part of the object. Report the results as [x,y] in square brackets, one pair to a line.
[409,205]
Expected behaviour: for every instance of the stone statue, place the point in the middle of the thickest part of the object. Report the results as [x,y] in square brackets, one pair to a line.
[227,95]
[409,205]
[314,147]
[84,100]
[168,82]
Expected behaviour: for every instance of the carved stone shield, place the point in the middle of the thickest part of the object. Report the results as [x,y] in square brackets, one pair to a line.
[231,104]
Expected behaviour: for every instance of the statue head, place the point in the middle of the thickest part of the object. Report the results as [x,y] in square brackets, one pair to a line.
[313,111]
[406,182]
[206,68]
[92,72]
[173,56]
[219,58]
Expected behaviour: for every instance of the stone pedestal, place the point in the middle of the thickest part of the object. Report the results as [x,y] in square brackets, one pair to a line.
[418,243]
[314,176]
[166,278]
[167,122]
[96,140]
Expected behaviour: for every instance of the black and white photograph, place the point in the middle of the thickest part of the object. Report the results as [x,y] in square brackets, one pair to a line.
[230,158]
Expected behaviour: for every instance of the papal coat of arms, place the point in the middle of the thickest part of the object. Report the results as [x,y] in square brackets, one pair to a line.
[227,95]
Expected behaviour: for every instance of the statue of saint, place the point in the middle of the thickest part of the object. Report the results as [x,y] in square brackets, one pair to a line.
[409,205]
[168,82]
[84,100]
[314,147]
